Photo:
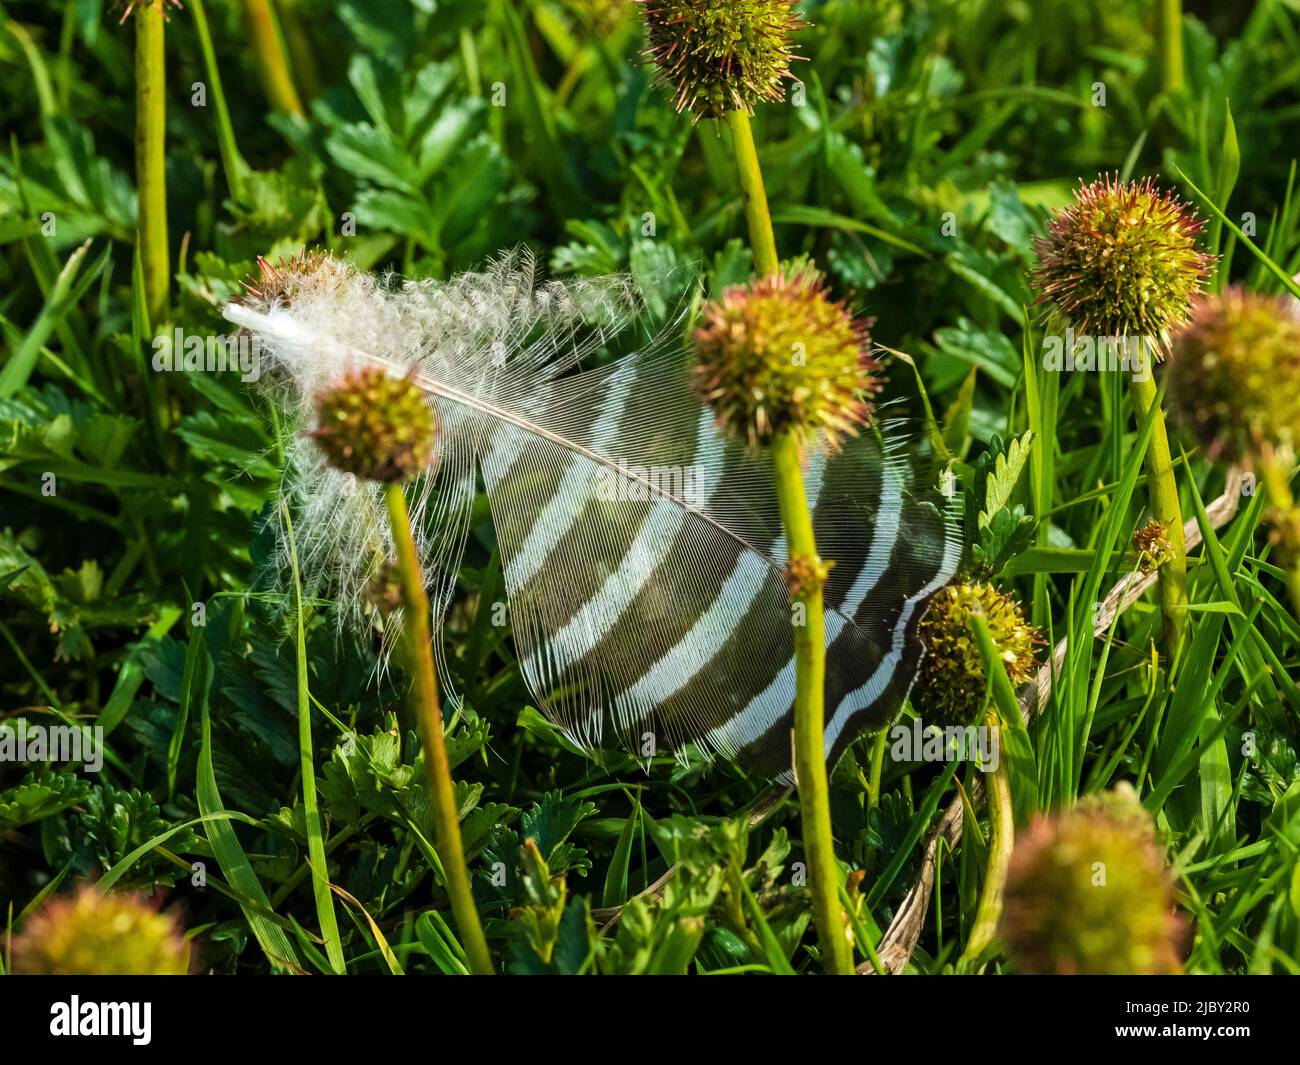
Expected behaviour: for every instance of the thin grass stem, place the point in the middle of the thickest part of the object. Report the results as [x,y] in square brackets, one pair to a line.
[320,884]
[272,57]
[232,161]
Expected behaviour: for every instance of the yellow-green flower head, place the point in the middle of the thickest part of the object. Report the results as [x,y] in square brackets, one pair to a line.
[376,426]
[722,55]
[950,683]
[1088,892]
[1234,375]
[93,933]
[779,355]
[1122,260]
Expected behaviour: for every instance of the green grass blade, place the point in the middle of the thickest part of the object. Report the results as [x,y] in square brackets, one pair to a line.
[277,947]
[1256,250]
[440,944]
[23,361]
[123,865]
[307,768]
[772,949]
[615,892]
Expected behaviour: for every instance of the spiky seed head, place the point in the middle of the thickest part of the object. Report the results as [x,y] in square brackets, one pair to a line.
[721,55]
[1234,375]
[1151,542]
[376,426]
[950,684]
[311,271]
[1088,892]
[94,933]
[1122,261]
[780,355]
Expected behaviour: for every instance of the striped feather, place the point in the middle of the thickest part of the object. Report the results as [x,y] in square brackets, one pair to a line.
[643,553]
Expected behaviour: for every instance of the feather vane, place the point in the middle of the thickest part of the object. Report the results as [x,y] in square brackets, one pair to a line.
[642,551]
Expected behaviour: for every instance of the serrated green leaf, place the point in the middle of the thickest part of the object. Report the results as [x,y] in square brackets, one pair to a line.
[1003,477]
[38,795]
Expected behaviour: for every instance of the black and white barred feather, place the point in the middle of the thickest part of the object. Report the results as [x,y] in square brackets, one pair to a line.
[642,551]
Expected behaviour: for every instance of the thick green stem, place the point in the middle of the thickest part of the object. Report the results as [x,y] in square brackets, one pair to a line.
[809,621]
[809,708]
[442,795]
[272,57]
[1171,45]
[1276,479]
[1001,823]
[1162,489]
[761,238]
[150,158]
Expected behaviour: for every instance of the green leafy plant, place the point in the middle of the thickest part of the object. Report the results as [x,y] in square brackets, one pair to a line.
[263,768]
